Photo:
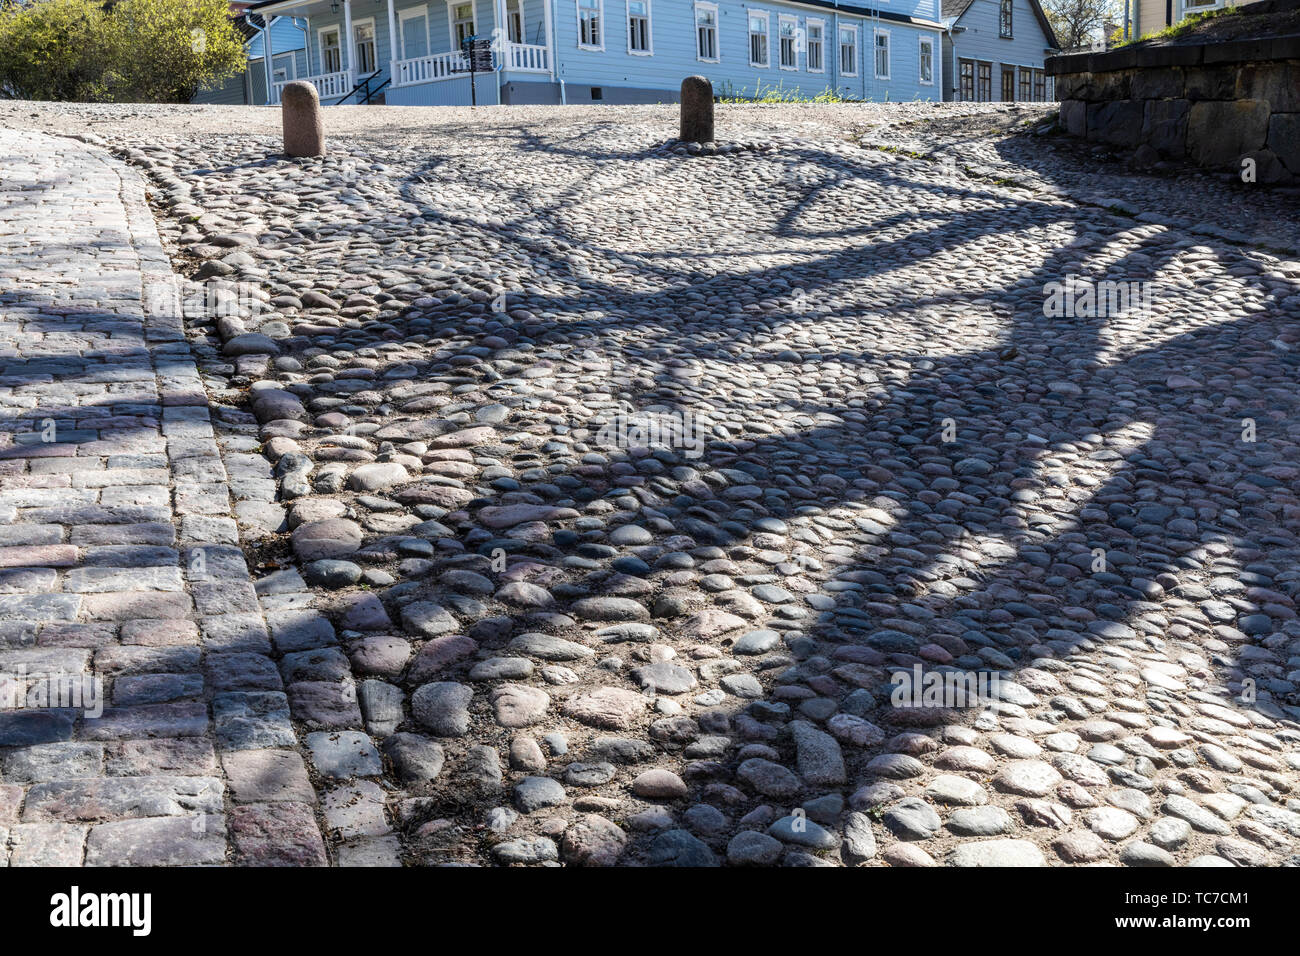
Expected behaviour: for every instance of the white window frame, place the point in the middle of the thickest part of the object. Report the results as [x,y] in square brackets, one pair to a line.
[808,25]
[291,73]
[337,30]
[515,17]
[922,43]
[717,31]
[781,19]
[600,25]
[839,48]
[649,29]
[411,14]
[767,37]
[876,34]
[356,26]
[452,22]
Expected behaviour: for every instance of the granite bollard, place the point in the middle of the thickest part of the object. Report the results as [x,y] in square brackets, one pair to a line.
[697,110]
[304,130]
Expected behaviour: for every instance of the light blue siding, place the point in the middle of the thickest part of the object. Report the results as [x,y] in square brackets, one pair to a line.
[231,92]
[454,92]
[675,55]
[437,39]
[622,75]
[285,38]
[980,41]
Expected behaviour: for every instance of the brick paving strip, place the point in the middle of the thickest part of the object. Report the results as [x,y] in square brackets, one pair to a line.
[119,555]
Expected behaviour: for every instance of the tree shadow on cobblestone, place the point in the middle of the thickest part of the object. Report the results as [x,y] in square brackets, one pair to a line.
[918,575]
[1028,357]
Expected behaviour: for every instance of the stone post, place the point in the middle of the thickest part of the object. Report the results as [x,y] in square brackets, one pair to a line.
[697,110]
[304,131]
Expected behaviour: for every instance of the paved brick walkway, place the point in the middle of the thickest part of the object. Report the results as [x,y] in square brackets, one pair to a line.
[120,570]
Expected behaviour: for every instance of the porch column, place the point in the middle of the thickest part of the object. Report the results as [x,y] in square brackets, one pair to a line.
[392,41]
[266,58]
[307,46]
[503,29]
[348,39]
[550,38]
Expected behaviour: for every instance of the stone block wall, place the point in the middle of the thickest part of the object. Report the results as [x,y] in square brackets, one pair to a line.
[1214,104]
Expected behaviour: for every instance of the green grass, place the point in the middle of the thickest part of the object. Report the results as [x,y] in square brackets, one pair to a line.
[897,150]
[1178,29]
[777,94]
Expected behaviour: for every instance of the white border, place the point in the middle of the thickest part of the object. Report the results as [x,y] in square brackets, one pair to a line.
[320,47]
[787,18]
[921,41]
[411,14]
[767,35]
[717,30]
[808,22]
[451,22]
[600,25]
[839,48]
[649,28]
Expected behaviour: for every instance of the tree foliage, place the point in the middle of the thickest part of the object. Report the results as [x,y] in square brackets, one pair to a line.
[1078,22]
[127,51]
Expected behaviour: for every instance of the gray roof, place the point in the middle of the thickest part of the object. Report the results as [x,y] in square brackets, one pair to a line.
[953,10]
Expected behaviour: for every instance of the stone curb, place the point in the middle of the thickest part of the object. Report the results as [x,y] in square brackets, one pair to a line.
[270,817]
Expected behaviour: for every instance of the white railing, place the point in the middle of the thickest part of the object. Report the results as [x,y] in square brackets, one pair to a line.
[521,57]
[527,58]
[427,69]
[328,85]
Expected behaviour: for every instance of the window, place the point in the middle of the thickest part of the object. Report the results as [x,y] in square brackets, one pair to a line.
[1004,18]
[331,56]
[1040,86]
[848,51]
[882,54]
[1008,83]
[462,23]
[282,67]
[814,52]
[365,31]
[926,61]
[984,83]
[589,24]
[787,35]
[1026,80]
[515,25]
[706,32]
[967,80]
[638,27]
[415,35]
[758,39]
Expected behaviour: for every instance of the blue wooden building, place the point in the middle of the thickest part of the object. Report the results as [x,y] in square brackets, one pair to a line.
[614,51]
[994,51]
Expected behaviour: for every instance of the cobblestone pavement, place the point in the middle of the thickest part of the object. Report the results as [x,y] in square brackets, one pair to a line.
[511,632]
[144,721]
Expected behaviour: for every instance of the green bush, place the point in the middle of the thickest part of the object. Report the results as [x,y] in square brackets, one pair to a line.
[129,51]
[53,50]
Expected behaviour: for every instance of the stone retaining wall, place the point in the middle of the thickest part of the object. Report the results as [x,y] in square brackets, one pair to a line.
[1214,104]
